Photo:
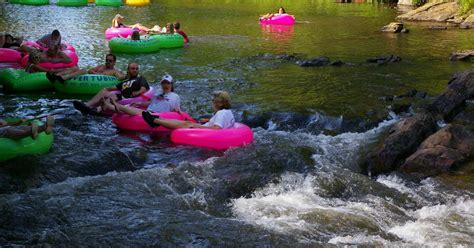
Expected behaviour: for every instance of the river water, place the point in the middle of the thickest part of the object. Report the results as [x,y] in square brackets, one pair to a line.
[298,184]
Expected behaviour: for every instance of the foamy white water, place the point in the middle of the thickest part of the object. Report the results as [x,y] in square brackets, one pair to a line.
[326,206]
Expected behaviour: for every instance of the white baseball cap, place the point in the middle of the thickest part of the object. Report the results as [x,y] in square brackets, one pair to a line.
[168,78]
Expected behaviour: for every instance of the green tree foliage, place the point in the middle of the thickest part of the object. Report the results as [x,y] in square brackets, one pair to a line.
[466,5]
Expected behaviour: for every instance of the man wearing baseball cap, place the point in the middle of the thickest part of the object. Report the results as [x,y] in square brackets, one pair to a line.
[164,101]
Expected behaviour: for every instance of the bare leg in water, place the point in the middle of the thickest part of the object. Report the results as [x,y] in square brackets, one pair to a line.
[116,107]
[20,132]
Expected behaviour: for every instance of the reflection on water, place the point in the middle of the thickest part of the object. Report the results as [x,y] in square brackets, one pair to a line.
[278,34]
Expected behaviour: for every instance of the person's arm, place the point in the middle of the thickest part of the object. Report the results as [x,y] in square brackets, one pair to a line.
[94,70]
[139,92]
[140,104]
[215,127]
[43,41]
[111,88]
[120,75]
[177,107]
[62,59]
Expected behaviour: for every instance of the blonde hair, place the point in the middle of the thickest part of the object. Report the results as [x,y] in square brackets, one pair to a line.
[223,99]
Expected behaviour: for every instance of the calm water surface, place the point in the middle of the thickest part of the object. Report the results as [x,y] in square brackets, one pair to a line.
[295,185]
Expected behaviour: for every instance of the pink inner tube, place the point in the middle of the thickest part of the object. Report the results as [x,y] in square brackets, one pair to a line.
[34,44]
[49,65]
[148,95]
[119,32]
[10,65]
[8,55]
[221,139]
[136,122]
[283,19]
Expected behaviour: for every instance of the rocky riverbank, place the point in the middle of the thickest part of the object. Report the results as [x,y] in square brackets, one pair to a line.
[416,146]
[440,11]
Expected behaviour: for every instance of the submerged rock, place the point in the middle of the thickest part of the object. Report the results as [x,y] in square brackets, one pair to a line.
[462,55]
[384,59]
[399,108]
[438,153]
[438,27]
[316,62]
[394,27]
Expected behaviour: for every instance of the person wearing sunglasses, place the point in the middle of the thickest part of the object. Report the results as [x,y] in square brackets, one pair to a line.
[133,86]
[107,69]
[164,101]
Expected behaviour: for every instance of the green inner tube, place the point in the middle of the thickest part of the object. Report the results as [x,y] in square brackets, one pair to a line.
[34,2]
[86,84]
[169,40]
[19,80]
[14,1]
[72,3]
[11,148]
[144,45]
[108,3]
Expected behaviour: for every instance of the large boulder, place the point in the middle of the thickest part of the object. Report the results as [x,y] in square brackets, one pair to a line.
[460,89]
[468,22]
[404,138]
[407,135]
[436,11]
[449,146]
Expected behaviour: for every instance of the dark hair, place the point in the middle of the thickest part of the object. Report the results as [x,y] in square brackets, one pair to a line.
[55,33]
[284,11]
[135,35]
[176,25]
[111,55]
[129,64]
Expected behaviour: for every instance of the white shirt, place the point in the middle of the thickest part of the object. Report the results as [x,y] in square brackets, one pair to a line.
[222,118]
[165,102]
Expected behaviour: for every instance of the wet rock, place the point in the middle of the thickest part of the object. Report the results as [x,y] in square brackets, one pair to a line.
[413,93]
[451,102]
[316,62]
[336,63]
[436,11]
[410,93]
[468,23]
[462,55]
[420,94]
[387,98]
[393,27]
[289,57]
[449,146]
[466,118]
[400,108]
[438,27]
[404,137]
[384,59]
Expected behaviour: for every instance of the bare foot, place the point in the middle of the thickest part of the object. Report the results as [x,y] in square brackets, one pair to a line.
[34,130]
